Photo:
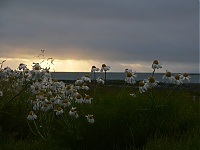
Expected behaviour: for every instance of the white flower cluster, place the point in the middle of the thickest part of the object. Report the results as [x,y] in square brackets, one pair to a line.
[130,76]
[52,94]
[48,94]
[104,68]
[100,80]
[147,83]
[177,79]
[151,82]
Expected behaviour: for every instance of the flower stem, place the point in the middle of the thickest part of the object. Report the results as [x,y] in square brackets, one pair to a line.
[105,76]
[94,77]
[153,72]
[31,129]
[38,130]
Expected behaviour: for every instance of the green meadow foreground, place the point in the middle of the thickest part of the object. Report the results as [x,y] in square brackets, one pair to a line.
[165,117]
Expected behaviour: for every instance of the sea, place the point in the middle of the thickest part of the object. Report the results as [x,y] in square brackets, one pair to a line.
[195,77]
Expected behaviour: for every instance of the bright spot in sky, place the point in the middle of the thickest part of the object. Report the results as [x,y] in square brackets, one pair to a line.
[56,65]
[73,65]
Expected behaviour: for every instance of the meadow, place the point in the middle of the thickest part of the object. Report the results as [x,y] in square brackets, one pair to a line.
[38,112]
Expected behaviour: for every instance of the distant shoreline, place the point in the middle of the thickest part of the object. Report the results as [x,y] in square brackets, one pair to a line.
[122,82]
[195,78]
[123,72]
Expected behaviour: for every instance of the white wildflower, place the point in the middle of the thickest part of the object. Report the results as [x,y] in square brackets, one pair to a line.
[59,111]
[90,118]
[105,68]
[32,116]
[78,99]
[94,68]
[185,76]
[88,99]
[156,65]
[100,80]
[168,77]
[143,86]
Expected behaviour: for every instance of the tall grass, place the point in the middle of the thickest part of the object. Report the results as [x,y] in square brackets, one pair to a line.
[164,117]
[152,120]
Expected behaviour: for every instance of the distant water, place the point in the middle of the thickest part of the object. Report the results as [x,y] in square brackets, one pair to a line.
[195,78]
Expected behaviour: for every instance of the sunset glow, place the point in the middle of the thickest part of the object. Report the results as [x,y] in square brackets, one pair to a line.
[72,65]
[57,65]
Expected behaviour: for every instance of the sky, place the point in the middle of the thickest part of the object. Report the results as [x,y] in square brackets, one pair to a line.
[122,34]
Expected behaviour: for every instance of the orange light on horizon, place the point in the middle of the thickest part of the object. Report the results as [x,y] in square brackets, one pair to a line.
[56,65]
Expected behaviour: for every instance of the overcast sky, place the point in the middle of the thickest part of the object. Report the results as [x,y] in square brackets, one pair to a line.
[120,33]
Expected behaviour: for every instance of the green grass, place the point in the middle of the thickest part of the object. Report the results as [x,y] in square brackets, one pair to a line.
[152,120]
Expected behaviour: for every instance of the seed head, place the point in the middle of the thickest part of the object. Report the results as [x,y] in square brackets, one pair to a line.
[84,84]
[55,80]
[37,68]
[36,88]
[87,75]
[65,101]
[185,75]
[74,90]
[177,77]
[68,87]
[25,76]
[155,62]
[90,116]
[38,93]
[151,79]
[26,71]
[87,97]
[59,108]
[103,65]
[31,113]
[78,96]
[49,102]
[73,109]
[168,74]
[141,83]
[129,74]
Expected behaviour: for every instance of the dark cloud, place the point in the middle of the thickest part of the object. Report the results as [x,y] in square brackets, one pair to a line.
[126,31]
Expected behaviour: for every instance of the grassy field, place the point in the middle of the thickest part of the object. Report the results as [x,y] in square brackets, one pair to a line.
[162,118]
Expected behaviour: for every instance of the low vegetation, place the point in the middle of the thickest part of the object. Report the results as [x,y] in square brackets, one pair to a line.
[164,121]
[39,112]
